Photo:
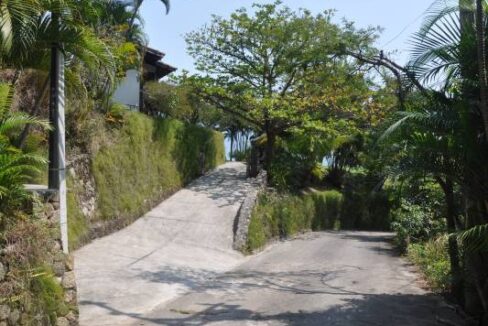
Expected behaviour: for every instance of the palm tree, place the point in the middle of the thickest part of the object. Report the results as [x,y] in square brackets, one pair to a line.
[449,136]
[16,167]
[137,6]
[16,26]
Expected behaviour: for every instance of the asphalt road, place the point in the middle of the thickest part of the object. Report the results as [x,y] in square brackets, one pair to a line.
[342,278]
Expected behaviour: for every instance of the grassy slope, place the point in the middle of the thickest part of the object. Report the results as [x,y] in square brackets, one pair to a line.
[143,161]
[283,216]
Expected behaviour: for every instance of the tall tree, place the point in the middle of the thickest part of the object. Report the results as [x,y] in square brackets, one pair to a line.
[260,67]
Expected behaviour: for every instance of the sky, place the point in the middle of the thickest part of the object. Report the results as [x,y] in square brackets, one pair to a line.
[399,19]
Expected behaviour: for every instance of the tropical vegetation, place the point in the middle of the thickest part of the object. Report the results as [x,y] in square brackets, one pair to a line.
[349,138]
[406,145]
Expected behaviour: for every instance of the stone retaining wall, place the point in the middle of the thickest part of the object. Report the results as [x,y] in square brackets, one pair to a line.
[243,218]
[45,209]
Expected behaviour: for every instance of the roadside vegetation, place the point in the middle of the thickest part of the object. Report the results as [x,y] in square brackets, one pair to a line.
[281,216]
[133,159]
[137,163]
[349,138]
[404,145]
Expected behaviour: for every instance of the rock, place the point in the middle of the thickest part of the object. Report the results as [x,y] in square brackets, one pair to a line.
[69,262]
[70,297]
[72,172]
[3,271]
[69,280]
[24,318]
[59,268]
[62,321]
[14,317]
[57,245]
[3,323]
[59,257]
[72,318]
[4,312]
[49,211]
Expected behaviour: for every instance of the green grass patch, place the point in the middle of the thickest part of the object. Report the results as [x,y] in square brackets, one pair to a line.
[49,295]
[77,223]
[433,260]
[328,206]
[282,216]
[146,159]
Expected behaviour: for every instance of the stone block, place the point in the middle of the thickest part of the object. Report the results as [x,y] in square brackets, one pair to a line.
[69,280]
[70,262]
[4,312]
[62,321]
[59,257]
[14,317]
[3,272]
[70,297]
[72,318]
[58,268]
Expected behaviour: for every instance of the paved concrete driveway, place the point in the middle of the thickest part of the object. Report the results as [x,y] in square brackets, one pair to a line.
[346,278]
[175,266]
[183,242]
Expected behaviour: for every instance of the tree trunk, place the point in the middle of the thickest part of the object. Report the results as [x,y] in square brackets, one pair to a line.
[453,246]
[480,34]
[133,17]
[231,145]
[269,153]
[466,56]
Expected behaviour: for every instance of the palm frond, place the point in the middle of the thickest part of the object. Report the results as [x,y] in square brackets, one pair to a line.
[167,5]
[475,239]
[435,52]
[15,121]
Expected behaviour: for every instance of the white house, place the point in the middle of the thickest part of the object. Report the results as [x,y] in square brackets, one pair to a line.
[130,90]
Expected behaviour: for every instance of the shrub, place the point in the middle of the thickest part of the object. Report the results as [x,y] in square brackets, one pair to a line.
[327,210]
[30,285]
[241,156]
[414,223]
[364,207]
[433,260]
[281,216]
[257,236]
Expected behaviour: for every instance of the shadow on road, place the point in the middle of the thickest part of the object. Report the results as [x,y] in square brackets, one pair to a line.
[341,292]
[221,187]
[403,310]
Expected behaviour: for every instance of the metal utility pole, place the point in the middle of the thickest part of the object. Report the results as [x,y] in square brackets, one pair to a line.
[57,143]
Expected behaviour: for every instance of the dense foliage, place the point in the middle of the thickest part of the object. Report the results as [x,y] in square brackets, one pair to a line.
[406,146]
[277,71]
[100,40]
[394,147]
